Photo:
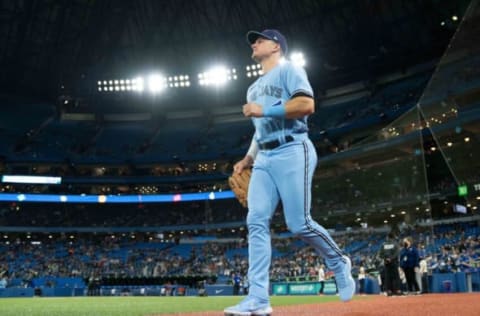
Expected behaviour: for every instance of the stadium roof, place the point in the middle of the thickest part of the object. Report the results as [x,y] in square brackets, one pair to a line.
[49,44]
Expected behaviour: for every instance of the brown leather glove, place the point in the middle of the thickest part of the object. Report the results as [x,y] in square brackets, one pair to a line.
[238,182]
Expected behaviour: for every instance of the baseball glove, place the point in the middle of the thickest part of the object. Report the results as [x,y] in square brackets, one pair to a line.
[238,182]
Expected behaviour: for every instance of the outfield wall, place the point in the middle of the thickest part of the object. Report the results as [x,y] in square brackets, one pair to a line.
[438,283]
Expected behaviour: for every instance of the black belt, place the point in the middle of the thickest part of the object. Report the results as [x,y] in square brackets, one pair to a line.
[275,143]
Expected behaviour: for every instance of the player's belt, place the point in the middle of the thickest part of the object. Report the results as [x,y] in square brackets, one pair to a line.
[275,143]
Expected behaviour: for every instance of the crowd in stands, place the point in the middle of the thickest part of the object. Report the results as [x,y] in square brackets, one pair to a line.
[449,248]
[457,248]
[128,215]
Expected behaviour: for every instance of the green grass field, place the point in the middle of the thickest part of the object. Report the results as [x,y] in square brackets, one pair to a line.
[134,306]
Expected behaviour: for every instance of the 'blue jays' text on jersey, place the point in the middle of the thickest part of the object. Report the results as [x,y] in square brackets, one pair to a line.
[275,88]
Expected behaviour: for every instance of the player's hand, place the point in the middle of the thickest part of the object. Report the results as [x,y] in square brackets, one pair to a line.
[252,110]
[243,164]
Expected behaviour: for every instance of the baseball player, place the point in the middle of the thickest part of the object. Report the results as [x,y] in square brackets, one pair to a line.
[283,160]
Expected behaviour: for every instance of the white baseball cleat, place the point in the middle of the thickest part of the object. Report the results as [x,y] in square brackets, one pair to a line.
[249,307]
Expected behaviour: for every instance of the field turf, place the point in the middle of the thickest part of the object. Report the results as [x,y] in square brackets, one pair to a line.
[134,306]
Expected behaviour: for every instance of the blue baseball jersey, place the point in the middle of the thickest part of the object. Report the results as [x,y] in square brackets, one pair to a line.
[275,88]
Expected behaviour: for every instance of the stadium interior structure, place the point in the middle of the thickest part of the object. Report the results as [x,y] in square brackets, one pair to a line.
[396,129]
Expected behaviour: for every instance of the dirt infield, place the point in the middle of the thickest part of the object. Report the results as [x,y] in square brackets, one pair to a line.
[424,305]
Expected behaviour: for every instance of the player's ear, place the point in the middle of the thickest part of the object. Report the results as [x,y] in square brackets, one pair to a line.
[277,47]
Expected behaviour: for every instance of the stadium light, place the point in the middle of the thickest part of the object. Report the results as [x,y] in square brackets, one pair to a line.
[179,81]
[254,70]
[138,84]
[217,76]
[156,83]
[298,59]
[120,85]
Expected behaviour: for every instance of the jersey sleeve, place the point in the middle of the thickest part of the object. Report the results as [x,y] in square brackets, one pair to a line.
[296,81]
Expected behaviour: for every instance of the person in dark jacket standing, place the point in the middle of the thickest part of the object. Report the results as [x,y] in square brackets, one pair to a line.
[409,261]
[389,255]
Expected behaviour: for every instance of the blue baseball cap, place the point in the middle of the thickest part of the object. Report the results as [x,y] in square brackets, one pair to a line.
[270,34]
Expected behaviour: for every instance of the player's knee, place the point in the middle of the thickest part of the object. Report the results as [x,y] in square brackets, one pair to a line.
[256,219]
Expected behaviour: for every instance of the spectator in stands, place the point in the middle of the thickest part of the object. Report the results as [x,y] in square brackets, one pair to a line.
[361,280]
[93,286]
[236,279]
[465,261]
[409,262]
[321,278]
[433,265]
[3,282]
[245,285]
[389,255]
[403,280]
[423,273]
